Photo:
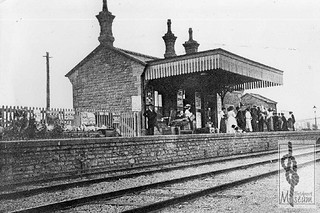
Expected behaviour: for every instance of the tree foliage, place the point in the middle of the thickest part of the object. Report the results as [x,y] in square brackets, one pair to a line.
[22,128]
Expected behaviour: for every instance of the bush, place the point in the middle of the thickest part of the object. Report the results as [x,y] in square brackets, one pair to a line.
[23,129]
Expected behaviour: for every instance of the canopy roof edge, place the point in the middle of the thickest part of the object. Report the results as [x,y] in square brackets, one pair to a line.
[212,60]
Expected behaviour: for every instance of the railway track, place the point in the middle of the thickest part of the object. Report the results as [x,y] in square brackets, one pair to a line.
[109,197]
[160,205]
[121,173]
[17,191]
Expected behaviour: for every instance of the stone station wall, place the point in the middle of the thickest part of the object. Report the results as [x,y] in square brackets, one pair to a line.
[22,161]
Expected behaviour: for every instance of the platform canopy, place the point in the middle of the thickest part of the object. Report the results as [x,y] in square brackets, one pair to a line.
[242,73]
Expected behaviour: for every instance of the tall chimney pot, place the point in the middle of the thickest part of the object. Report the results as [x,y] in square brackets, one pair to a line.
[191,46]
[169,40]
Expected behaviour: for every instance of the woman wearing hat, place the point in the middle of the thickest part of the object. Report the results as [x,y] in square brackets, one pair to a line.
[223,120]
[248,120]
[188,114]
[231,120]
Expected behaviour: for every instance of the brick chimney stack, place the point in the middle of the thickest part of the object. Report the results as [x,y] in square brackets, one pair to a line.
[105,19]
[169,40]
[191,46]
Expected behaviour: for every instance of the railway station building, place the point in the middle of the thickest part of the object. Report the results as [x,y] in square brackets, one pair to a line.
[119,80]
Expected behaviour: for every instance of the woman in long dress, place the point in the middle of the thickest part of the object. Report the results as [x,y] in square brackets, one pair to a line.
[231,120]
[223,120]
[248,120]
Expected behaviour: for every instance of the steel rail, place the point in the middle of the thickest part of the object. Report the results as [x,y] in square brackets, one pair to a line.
[115,194]
[192,196]
[162,166]
[65,186]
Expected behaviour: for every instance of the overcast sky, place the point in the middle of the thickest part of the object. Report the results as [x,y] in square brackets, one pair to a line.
[284,34]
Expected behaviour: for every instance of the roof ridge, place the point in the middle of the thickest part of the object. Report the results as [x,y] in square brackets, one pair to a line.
[220,51]
[136,53]
[118,50]
[261,96]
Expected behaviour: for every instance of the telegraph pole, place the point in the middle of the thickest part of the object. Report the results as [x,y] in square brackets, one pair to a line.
[315,117]
[48,80]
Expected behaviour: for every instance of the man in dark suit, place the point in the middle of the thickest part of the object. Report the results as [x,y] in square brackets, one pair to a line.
[152,119]
[254,121]
[241,120]
[291,120]
[284,123]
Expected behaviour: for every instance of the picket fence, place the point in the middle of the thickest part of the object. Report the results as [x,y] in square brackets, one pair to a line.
[128,123]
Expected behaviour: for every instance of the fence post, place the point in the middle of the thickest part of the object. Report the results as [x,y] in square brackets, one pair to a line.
[129,123]
[2,117]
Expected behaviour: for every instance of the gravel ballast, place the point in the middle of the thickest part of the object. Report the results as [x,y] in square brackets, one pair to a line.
[259,196]
[28,202]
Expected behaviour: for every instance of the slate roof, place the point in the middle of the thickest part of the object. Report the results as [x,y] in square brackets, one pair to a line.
[138,57]
[267,100]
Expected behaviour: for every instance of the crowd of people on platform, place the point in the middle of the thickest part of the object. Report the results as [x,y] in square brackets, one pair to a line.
[185,119]
[254,119]
[240,119]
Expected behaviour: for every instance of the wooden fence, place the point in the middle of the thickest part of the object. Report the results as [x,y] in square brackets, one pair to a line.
[9,113]
[129,123]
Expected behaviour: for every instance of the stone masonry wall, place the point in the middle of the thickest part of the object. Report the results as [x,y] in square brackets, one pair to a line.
[106,81]
[22,161]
